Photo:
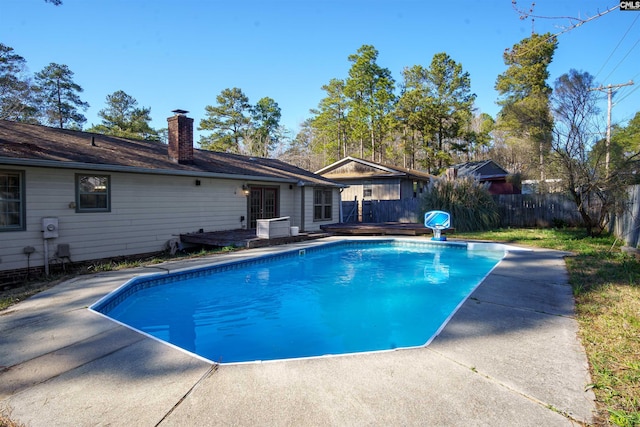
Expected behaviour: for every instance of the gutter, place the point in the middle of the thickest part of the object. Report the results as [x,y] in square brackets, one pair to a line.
[128,169]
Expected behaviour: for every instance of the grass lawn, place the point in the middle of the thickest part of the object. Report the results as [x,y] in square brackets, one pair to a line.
[606,286]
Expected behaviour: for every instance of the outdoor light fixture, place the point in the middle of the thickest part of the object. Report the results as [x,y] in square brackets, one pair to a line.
[245,189]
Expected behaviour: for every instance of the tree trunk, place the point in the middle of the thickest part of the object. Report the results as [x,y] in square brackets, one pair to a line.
[541,162]
[592,225]
[373,145]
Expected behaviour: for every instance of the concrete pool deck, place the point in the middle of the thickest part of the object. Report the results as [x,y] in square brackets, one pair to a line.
[509,356]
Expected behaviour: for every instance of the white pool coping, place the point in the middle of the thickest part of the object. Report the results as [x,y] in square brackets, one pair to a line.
[275,250]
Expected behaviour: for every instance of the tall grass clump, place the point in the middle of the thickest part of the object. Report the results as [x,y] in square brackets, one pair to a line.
[468,201]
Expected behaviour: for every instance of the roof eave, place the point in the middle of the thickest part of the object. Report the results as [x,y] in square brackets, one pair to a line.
[129,169]
[348,159]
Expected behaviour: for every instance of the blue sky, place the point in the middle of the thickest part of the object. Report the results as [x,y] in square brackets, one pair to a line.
[182,54]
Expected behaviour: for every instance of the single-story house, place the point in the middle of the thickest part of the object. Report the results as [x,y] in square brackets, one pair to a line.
[88,196]
[486,171]
[375,181]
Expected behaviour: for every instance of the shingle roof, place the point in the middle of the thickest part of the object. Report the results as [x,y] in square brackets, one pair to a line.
[484,169]
[380,168]
[35,144]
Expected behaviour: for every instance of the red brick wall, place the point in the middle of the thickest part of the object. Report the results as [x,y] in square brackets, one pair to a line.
[180,138]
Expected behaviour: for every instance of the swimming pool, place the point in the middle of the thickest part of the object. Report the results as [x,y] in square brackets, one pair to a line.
[346,297]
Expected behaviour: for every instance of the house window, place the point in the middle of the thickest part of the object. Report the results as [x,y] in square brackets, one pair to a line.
[93,193]
[366,189]
[322,204]
[12,205]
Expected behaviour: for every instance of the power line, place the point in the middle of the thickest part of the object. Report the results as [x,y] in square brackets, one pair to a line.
[623,58]
[626,95]
[629,93]
[617,46]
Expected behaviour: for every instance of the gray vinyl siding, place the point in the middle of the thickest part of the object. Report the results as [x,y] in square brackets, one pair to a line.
[290,204]
[394,189]
[381,189]
[386,189]
[146,212]
[354,190]
[310,224]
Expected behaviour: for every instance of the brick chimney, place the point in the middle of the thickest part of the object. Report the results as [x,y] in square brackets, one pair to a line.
[180,137]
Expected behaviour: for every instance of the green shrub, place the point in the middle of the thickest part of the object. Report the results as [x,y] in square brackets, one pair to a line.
[471,206]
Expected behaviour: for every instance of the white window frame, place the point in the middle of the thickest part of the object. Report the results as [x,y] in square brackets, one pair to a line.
[100,191]
[325,205]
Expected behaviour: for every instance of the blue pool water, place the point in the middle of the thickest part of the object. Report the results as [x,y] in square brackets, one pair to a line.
[341,298]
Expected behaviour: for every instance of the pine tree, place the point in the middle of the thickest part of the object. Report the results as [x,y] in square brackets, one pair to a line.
[436,105]
[16,94]
[524,95]
[229,120]
[331,121]
[58,97]
[123,118]
[369,88]
[265,128]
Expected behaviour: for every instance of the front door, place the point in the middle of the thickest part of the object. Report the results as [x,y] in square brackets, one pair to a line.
[263,204]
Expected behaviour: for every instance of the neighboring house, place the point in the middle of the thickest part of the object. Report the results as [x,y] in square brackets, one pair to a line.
[105,196]
[485,171]
[532,186]
[374,181]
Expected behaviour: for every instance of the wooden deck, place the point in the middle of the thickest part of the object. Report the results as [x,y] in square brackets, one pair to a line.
[376,229]
[248,238]
[243,238]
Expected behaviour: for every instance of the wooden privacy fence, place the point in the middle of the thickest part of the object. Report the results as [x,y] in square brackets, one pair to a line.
[543,210]
[350,211]
[627,225]
[536,210]
[405,210]
[516,210]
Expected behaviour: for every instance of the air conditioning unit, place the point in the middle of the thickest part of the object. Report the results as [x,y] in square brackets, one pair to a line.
[49,228]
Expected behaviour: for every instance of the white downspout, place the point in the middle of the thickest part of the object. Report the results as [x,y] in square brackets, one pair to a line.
[340,206]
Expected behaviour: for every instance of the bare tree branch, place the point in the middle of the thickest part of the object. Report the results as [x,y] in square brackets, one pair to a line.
[574,21]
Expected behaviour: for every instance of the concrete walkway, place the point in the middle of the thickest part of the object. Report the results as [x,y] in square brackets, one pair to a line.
[510,356]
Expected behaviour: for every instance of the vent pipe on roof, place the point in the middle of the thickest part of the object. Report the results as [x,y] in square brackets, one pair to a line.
[180,137]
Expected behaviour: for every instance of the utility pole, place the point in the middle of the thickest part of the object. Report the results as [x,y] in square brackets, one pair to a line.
[609,89]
